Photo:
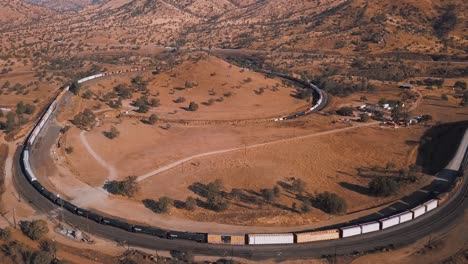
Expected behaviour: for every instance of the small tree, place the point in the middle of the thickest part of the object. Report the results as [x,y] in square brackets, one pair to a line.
[35,229]
[345,111]
[331,203]
[306,206]
[268,195]
[112,133]
[365,118]
[298,185]
[190,203]
[75,88]
[153,119]
[164,204]
[460,84]
[69,150]
[143,108]
[384,186]
[193,106]
[276,191]
[5,233]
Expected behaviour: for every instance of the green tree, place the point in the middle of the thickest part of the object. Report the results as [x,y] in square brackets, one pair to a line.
[35,229]
[190,203]
[153,119]
[112,133]
[384,186]
[75,88]
[331,203]
[346,111]
[298,185]
[193,106]
[164,204]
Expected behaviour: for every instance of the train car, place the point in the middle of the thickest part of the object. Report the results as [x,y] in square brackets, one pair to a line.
[405,216]
[370,227]
[442,197]
[350,231]
[95,217]
[270,239]
[198,237]
[317,236]
[418,211]
[69,206]
[120,224]
[49,195]
[389,221]
[38,186]
[230,239]
[150,231]
[431,205]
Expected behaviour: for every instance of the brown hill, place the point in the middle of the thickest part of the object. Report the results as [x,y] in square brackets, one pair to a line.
[64,5]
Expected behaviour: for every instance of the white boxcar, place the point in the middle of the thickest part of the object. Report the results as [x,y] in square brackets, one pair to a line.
[350,231]
[405,216]
[370,227]
[317,236]
[390,221]
[270,239]
[431,205]
[418,211]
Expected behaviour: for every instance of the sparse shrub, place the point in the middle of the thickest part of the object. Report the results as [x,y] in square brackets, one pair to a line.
[143,109]
[190,203]
[22,108]
[276,191]
[5,233]
[460,84]
[331,203]
[179,100]
[306,206]
[84,120]
[268,195]
[193,106]
[153,119]
[112,133]
[384,186]
[365,118]
[88,94]
[444,97]
[154,102]
[298,185]
[75,88]
[69,150]
[35,229]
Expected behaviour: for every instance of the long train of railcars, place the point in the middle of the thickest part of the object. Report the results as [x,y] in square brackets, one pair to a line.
[212,238]
[318,103]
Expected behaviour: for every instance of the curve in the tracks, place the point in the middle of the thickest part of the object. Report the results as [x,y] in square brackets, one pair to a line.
[365,241]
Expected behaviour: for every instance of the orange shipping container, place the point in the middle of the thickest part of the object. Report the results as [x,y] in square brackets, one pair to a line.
[226,239]
[317,236]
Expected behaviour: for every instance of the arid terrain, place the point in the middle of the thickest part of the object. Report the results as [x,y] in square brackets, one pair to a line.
[186,120]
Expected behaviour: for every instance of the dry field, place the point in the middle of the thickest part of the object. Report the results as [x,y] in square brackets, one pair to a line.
[326,162]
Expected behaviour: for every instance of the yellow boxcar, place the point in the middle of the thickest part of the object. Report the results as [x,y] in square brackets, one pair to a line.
[238,239]
[317,236]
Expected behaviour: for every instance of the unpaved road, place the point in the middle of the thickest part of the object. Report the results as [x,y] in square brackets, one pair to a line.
[179,162]
[112,172]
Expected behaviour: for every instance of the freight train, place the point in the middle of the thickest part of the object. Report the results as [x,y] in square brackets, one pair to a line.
[320,99]
[212,238]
